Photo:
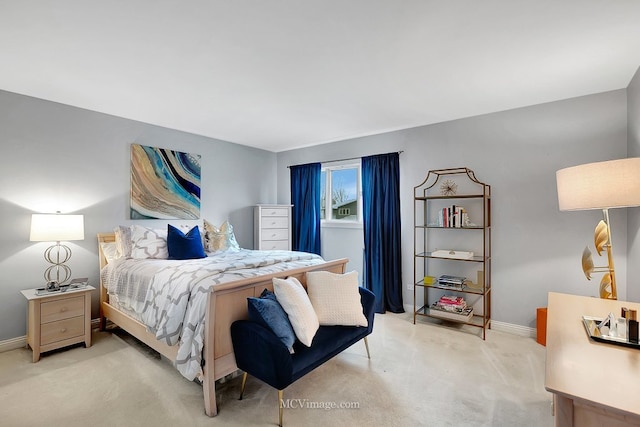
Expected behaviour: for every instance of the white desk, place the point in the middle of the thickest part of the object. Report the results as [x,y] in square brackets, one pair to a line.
[594,384]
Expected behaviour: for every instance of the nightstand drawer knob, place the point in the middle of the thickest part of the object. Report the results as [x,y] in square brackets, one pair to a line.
[63,309]
[63,330]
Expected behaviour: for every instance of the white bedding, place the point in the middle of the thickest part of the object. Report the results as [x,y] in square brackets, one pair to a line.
[170,296]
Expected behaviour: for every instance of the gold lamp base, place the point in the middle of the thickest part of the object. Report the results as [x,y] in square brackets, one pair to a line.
[602,240]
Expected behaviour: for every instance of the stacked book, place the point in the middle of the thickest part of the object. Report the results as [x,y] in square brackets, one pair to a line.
[451,282]
[451,307]
[452,217]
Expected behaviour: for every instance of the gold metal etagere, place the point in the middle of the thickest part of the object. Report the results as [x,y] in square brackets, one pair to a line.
[442,188]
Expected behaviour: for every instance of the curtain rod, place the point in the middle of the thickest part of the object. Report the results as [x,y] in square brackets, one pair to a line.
[344,160]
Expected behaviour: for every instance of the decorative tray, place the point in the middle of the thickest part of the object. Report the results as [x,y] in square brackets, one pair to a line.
[591,326]
[52,288]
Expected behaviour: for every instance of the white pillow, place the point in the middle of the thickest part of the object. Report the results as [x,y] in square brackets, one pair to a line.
[295,302]
[148,243]
[335,298]
[123,240]
[110,251]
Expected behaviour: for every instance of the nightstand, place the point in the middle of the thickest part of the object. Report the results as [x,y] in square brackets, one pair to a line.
[59,319]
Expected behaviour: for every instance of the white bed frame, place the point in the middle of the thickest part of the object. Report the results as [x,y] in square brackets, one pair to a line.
[225,305]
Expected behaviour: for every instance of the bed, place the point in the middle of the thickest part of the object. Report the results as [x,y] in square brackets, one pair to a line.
[222,303]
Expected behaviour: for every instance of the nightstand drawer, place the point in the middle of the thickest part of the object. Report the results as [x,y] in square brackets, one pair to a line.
[61,309]
[62,330]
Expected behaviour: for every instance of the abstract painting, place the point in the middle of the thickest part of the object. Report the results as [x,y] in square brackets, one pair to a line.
[165,184]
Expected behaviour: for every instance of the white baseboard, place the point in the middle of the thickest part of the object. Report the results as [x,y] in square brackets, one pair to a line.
[510,328]
[13,343]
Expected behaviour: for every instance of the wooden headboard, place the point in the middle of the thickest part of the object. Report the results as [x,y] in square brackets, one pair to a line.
[104,238]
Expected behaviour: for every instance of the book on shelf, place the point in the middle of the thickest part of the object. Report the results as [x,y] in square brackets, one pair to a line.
[463,315]
[450,253]
[452,217]
[451,286]
[451,303]
[452,280]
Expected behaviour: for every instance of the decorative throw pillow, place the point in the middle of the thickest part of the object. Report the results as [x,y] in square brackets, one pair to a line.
[295,302]
[219,239]
[184,246]
[336,298]
[148,243]
[123,240]
[268,312]
[110,251]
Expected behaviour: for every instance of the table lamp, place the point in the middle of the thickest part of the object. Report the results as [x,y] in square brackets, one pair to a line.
[601,185]
[57,228]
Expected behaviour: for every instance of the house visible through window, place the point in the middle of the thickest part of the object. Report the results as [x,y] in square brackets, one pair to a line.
[340,194]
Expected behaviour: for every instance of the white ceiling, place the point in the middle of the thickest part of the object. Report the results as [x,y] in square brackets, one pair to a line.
[282,74]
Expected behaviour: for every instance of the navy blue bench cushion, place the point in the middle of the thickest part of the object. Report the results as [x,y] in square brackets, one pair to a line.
[328,342]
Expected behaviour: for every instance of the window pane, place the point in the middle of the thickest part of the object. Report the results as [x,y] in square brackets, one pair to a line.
[344,194]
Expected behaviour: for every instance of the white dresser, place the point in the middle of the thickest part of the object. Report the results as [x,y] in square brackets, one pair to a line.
[272,227]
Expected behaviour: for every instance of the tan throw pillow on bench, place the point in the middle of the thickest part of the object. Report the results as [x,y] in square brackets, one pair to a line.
[335,298]
[294,300]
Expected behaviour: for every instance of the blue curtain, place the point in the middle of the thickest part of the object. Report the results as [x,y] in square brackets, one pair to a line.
[305,197]
[381,217]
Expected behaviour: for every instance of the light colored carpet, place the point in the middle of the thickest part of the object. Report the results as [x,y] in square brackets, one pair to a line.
[422,374]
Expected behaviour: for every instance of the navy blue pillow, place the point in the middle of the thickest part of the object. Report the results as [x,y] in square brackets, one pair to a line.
[184,246]
[268,312]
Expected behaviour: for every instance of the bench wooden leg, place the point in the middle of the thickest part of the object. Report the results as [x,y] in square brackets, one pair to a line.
[366,343]
[244,382]
[280,403]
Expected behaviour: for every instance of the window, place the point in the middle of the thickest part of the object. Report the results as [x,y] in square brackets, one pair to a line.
[340,195]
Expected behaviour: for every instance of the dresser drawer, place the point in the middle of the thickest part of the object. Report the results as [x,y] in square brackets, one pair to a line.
[275,234]
[62,330]
[275,222]
[61,309]
[275,245]
[275,212]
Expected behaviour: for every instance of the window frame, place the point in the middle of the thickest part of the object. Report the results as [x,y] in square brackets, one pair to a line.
[329,221]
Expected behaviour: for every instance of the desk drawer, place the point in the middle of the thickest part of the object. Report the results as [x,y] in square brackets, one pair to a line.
[61,309]
[62,330]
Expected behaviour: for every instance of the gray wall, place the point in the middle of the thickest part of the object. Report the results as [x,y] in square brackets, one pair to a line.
[633,220]
[57,157]
[536,248]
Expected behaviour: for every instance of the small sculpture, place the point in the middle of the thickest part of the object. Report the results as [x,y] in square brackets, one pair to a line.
[448,188]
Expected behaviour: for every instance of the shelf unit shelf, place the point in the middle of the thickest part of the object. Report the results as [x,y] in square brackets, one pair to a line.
[476,320]
[429,234]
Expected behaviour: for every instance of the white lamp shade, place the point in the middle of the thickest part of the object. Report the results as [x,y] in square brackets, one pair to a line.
[601,185]
[56,227]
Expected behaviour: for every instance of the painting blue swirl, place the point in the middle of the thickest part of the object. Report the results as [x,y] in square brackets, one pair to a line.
[165,184]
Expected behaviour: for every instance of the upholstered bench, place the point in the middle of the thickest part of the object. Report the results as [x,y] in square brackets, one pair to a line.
[264,355]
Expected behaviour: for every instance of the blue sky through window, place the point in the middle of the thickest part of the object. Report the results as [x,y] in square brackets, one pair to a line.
[346,179]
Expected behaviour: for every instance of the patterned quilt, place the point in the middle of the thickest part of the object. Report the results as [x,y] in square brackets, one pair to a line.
[170,296]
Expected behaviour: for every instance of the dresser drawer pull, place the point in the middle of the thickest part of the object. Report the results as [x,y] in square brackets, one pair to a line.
[63,330]
[63,309]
